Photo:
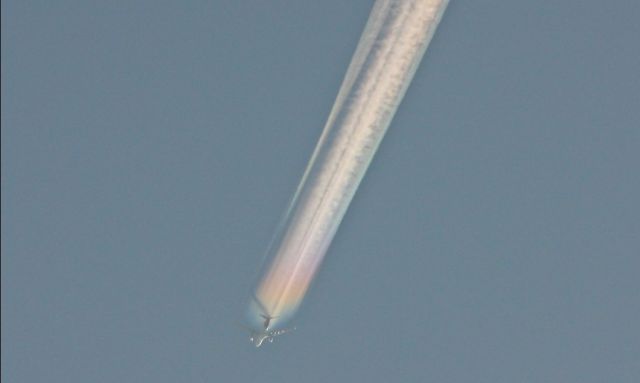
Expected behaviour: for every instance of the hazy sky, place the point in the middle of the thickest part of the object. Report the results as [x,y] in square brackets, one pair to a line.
[150,147]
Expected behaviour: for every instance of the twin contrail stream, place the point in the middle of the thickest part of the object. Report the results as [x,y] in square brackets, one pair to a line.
[390,49]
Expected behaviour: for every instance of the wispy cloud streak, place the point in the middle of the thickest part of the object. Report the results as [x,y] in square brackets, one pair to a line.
[388,53]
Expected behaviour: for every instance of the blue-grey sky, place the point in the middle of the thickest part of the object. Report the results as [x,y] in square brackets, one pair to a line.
[149,148]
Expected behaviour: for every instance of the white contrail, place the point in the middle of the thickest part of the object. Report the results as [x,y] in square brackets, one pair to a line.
[392,44]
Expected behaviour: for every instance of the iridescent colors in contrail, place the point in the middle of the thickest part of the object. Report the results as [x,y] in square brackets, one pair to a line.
[392,44]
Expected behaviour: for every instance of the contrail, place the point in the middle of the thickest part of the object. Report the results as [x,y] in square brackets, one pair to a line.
[388,53]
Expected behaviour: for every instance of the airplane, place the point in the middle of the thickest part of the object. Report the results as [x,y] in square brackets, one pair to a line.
[257,337]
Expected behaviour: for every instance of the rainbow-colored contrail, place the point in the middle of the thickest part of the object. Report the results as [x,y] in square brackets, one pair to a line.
[390,49]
